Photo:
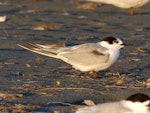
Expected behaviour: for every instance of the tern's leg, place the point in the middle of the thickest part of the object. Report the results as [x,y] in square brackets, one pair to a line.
[132,12]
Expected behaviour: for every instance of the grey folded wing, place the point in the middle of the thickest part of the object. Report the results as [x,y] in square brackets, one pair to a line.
[85,54]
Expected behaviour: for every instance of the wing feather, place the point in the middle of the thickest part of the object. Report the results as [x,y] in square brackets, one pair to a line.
[86,54]
[40,49]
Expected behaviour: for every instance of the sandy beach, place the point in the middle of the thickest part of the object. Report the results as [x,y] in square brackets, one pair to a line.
[33,83]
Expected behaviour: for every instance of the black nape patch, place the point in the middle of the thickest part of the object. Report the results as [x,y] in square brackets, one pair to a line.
[109,39]
[138,97]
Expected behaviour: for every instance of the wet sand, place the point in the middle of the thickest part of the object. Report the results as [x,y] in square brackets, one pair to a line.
[33,83]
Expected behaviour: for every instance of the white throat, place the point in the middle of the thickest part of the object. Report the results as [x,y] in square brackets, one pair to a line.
[137,107]
[113,51]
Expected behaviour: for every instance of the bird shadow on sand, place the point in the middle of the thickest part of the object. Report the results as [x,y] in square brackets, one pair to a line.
[145,13]
[139,69]
[148,66]
[8,49]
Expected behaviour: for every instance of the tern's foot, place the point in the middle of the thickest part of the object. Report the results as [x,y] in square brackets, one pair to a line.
[94,75]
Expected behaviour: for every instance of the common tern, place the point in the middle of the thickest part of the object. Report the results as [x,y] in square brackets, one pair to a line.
[126,4]
[88,57]
[137,103]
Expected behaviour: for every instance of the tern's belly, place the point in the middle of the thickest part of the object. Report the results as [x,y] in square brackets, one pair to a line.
[92,67]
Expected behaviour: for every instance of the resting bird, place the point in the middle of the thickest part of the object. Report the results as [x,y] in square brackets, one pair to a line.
[126,4]
[88,57]
[137,103]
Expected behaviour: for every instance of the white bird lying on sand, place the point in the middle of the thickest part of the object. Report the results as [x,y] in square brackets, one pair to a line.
[137,103]
[127,4]
[88,57]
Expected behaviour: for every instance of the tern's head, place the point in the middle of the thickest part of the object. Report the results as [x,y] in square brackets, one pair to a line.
[112,42]
[139,103]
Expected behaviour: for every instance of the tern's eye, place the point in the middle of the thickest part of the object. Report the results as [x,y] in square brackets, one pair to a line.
[115,41]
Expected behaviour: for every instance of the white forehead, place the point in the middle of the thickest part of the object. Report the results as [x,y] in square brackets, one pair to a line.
[118,39]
